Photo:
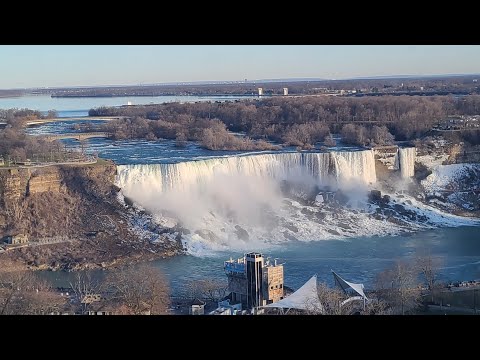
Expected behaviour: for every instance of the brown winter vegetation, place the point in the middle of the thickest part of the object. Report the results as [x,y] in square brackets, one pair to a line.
[140,290]
[207,289]
[127,291]
[399,287]
[22,292]
[15,145]
[78,206]
[298,121]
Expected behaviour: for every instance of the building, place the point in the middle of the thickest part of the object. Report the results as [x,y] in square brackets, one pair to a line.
[100,312]
[225,308]
[285,91]
[254,273]
[273,276]
[19,239]
[26,162]
[91,298]
[2,162]
[197,307]
[254,282]
[260,91]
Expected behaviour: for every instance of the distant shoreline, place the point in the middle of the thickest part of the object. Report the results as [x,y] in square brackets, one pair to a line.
[152,95]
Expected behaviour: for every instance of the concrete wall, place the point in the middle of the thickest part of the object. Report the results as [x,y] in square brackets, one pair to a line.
[273,283]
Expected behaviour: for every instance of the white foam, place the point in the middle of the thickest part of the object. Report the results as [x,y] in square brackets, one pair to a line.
[447,175]
[217,196]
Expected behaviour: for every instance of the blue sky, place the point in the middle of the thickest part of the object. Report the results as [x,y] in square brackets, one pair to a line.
[83,65]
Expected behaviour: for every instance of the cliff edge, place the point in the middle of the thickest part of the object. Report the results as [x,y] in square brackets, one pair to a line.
[72,219]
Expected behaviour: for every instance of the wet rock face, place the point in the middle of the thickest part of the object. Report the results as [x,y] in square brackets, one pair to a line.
[291,227]
[289,236]
[206,234]
[241,233]
[375,196]
[341,198]
[302,193]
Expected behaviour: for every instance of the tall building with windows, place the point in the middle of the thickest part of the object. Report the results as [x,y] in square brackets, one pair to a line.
[254,267]
[254,281]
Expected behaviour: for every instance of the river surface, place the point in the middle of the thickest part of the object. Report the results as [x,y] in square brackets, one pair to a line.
[79,106]
[357,258]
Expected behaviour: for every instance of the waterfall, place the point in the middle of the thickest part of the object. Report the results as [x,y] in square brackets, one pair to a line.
[396,164]
[406,161]
[239,189]
[342,166]
[240,202]
[355,165]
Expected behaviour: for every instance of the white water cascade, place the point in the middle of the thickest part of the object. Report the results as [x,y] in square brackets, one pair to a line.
[239,202]
[239,188]
[406,160]
[321,168]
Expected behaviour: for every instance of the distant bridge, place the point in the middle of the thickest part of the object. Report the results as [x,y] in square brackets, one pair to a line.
[77,118]
[77,136]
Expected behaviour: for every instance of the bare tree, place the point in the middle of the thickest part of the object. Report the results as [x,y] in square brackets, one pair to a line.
[83,144]
[85,288]
[332,300]
[22,293]
[375,306]
[12,285]
[398,287]
[52,114]
[207,289]
[180,140]
[428,267]
[139,290]
[329,141]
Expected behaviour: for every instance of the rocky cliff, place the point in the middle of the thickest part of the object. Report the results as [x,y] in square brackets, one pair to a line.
[73,213]
[29,195]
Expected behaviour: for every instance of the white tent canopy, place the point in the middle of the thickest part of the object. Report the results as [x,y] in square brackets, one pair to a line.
[358,288]
[305,298]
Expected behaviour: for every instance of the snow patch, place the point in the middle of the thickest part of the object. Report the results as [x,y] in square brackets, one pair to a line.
[447,177]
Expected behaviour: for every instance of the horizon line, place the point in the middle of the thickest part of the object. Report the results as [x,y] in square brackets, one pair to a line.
[224,82]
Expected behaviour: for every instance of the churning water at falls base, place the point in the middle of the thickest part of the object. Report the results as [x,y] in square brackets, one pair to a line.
[240,202]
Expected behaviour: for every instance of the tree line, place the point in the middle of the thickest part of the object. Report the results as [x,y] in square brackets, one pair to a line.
[129,291]
[299,121]
[142,289]
[16,146]
[452,84]
[401,289]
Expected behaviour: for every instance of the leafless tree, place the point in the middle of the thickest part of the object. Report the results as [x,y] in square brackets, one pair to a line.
[85,286]
[180,140]
[22,293]
[375,306]
[329,141]
[428,267]
[398,287]
[332,300]
[52,114]
[140,290]
[207,289]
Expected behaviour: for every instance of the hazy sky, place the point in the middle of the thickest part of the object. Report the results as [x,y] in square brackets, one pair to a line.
[73,65]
